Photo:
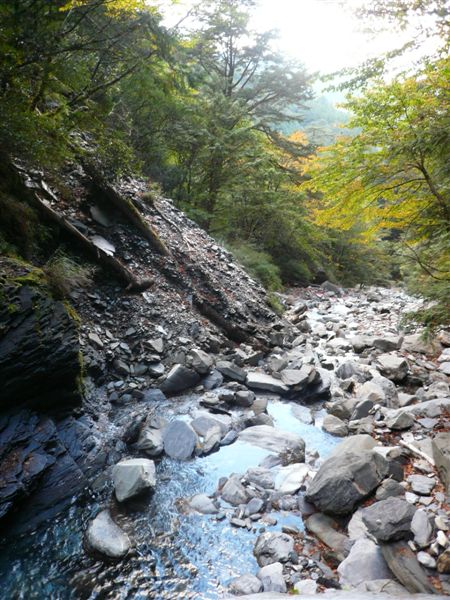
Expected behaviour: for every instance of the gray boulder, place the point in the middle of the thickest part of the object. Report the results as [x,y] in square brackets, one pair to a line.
[400,421]
[388,343]
[325,529]
[345,479]
[405,566]
[261,381]
[151,442]
[365,562]
[388,489]
[422,528]
[104,536]
[334,426]
[231,370]
[180,440]
[389,519]
[275,440]
[392,366]
[420,484]
[272,579]
[132,476]
[245,584]
[234,492]
[200,361]
[272,547]
[441,455]
[262,477]
[203,504]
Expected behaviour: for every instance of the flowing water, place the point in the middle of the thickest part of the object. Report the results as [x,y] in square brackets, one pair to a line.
[176,555]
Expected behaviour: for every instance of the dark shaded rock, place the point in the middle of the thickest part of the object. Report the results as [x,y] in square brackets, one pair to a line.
[389,519]
[345,479]
[441,455]
[178,379]
[213,380]
[39,346]
[388,489]
[405,566]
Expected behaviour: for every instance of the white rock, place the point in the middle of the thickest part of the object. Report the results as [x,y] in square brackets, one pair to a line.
[289,479]
[104,536]
[132,476]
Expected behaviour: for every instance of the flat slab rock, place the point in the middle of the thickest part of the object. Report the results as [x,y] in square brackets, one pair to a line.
[261,381]
[402,561]
[275,440]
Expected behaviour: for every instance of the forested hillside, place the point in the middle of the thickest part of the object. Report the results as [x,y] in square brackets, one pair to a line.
[229,128]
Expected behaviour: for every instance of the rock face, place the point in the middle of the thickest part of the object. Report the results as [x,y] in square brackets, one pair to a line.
[389,519]
[39,346]
[345,479]
[132,477]
[104,536]
[273,547]
[180,440]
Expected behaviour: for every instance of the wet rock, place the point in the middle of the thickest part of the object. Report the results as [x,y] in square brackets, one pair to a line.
[203,504]
[151,442]
[271,577]
[245,584]
[421,485]
[389,519]
[180,440]
[275,440]
[365,562]
[213,380]
[255,506]
[104,536]
[297,379]
[422,528]
[179,378]
[234,492]
[290,479]
[244,398]
[334,426]
[204,422]
[231,370]
[325,529]
[229,438]
[261,381]
[405,566]
[132,477]
[272,547]
[441,455]
[212,440]
[345,479]
[261,477]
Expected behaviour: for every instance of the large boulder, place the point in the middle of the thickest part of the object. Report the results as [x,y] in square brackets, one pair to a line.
[234,492]
[271,577]
[245,584]
[272,547]
[151,442]
[180,440]
[365,562]
[392,366]
[104,536]
[345,479]
[441,455]
[133,476]
[290,479]
[275,440]
[402,561]
[389,519]
[261,381]
[178,379]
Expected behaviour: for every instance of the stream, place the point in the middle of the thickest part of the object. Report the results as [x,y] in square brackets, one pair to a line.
[176,555]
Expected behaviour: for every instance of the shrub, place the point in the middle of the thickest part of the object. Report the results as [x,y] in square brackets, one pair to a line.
[259,264]
[64,275]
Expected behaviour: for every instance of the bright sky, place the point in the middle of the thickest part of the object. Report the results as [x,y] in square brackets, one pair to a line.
[323,34]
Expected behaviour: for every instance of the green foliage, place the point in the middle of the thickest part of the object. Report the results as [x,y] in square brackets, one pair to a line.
[63,275]
[19,227]
[259,264]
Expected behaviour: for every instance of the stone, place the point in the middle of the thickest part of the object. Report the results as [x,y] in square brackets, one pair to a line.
[388,343]
[325,529]
[334,426]
[133,476]
[104,536]
[389,488]
[203,504]
[262,381]
[151,442]
[156,369]
[204,422]
[347,369]
[290,479]
[272,547]
[178,379]
[261,477]
[389,519]
[306,587]
[426,560]
[332,287]
[231,370]
[297,379]
[229,438]
[345,479]
[234,492]
[213,380]
[441,455]
[245,584]
[403,563]
[255,506]
[180,440]
[422,528]
[392,366]
[383,587]
[200,361]
[211,440]
[244,398]
[275,440]
[421,485]
[415,343]
[355,443]
[343,407]
[444,367]
[364,562]
[356,528]
[271,577]
[400,421]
